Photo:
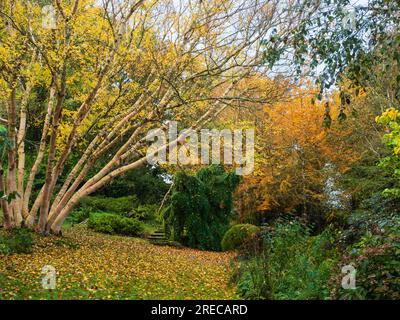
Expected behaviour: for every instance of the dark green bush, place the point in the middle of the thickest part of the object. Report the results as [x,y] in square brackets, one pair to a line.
[129,227]
[376,258]
[125,206]
[122,205]
[255,279]
[78,215]
[146,212]
[146,182]
[236,236]
[371,240]
[201,207]
[115,224]
[293,265]
[16,241]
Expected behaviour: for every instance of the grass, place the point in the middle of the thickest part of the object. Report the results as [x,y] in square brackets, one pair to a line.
[96,266]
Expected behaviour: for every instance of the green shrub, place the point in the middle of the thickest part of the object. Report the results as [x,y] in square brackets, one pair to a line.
[293,265]
[78,215]
[255,280]
[201,207]
[147,212]
[376,258]
[122,205]
[147,183]
[115,224]
[235,237]
[16,241]
[129,227]
[125,206]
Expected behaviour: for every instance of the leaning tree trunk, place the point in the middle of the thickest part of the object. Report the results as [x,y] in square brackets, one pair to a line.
[3,203]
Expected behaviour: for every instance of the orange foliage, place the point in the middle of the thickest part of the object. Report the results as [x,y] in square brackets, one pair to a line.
[295,156]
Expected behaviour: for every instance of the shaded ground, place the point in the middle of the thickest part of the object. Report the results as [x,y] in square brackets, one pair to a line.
[96,266]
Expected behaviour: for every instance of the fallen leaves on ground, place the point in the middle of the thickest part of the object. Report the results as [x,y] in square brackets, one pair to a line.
[96,266]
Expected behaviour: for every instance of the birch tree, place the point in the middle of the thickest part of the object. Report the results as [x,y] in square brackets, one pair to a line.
[112,70]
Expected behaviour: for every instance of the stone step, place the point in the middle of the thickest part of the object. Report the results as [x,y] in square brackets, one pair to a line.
[159,242]
[152,236]
[157,235]
[158,238]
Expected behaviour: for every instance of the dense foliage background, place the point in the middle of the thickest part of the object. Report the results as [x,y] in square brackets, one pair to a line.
[323,98]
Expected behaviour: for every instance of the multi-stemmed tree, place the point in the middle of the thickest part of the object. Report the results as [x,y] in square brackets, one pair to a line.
[111,70]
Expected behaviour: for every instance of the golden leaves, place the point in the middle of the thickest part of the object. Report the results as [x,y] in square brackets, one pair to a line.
[94,266]
[292,150]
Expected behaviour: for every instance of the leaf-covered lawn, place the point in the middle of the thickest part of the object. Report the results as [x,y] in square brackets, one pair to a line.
[95,266]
